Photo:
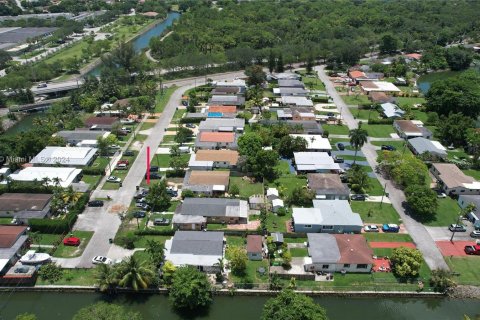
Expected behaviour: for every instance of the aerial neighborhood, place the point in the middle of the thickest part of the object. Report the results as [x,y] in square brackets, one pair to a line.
[139,157]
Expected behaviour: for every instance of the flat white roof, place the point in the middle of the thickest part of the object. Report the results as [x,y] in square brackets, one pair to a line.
[67,156]
[66,175]
[183,259]
[272,192]
[299,101]
[382,86]
[277,203]
[315,141]
[308,161]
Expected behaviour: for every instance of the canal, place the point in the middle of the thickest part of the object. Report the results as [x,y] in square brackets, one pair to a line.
[425,81]
[56,306]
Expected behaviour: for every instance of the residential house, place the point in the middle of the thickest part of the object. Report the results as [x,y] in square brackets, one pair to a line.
[285,76]
[255,247]
[328,186]
[380,97]
[24,206]
[452,180]
[277,204]
[321,162]
[378,86]
[207,182]
[65,176]
[303,114]
[65,157]
[284,114]
[410,57]
[315,142]
[421,145]
[338,253]
[411,129]
[216,140]
[474,215]
[390,110]
[307,126]
[355,75]
[75,137]
[234,83]
[221,111]
[218,91]
[200,249]
[222,125]
[12,240]
[272,194]
[294,101]
[101,123]
[210,159]
[327,216]
[291,83]
[290,91]
[213,210]
[237,100]
[256,202]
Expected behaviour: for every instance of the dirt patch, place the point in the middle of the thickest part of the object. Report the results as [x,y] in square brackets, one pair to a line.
[252,225]
[117,208]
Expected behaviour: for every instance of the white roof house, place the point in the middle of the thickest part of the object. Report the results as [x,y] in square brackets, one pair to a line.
[315,142]
[277,204]
[421,145]
[66,175]
[297,101]
[272,193]
[65,156]
[233,83]
[315,162]
[381,86]
[391,110]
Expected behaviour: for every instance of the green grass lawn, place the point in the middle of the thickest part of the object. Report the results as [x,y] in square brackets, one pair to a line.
[283,168]
[472,173]
[162,99]
[446,214]
[375,188]
[46,238]
[147,125]
[286,184]
[365,113]
[299,252]
[71,251]
[247,189]
[387,237]
[468,269]
[100,162]
[178,114]
[167,139]
[379,130]
[356,99]
[399,145]
[313,83]
[371,212]
[276,223]
[141,242]
[349,157]
[163,160]
[92,180]
[70,52]
[295,240]
[457,153]
[251,273]
[335,129]
[410,101]
[6,220]
[74,277]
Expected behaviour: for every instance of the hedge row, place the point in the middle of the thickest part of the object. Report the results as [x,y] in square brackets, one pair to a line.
[153,232]
[25,187]
[192,120]
[60,226]
[93,171]
[380,121]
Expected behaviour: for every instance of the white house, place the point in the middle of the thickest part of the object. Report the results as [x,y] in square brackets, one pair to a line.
[315,162]
[65,156]
[277,204]
[315,142]
[65,176]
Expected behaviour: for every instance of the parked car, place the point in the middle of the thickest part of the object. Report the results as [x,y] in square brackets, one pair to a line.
[161,222]
[190,125]
[474,249]
[154,176]
[123,161]
[121,166]
[475,234]
[371,228]
[388,148]
[338,159]
[139,214]
[101,260]
[340,146]
[142,205]
[141,193]
[95,203]
[172,191]
[114,179]
[128,153]
[331,114]
[71,241]
[390,227]
[41,85]
[153,169]
[127,121]
[457,228]
[358,197]
[114,146]
[128,130]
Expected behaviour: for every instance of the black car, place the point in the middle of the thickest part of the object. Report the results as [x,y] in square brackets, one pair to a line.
[139,214]
[128,153]
[358,197]
[189,125]
[340,146]
[388,148]
[153,176]
[338,159]
[161,222]
[95,203]
[154,169]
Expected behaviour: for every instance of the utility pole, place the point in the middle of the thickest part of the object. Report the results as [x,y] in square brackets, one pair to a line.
[455,229]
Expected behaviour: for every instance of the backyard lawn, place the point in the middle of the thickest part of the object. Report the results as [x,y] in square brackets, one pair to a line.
[365,114]
[299,252]
[399,145]
[473,173]
[163,160]
[335,129]
[387,237]
[286,184]
[247,189]
[371,212]
[251,273]
[313,83]
[446,214]
[468,269]
[72,251]
[356,99]
[283,167]
[410,101]
[379,130]
[74,277]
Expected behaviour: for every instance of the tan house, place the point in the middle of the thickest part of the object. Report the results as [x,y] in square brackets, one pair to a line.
[452,180]
[207,182]
[210,159]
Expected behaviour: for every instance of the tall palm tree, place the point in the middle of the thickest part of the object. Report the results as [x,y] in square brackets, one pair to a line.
[106,277]
[134,274]
[358,137]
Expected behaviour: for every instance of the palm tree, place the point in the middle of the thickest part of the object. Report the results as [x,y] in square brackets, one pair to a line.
[106,277]
[135,275]
[358,137]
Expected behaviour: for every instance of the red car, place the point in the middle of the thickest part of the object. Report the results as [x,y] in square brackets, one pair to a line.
[123,161]
[71,241]
[475,249]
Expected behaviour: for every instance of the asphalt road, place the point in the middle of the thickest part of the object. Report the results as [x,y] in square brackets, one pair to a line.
[417,231]
[105,221]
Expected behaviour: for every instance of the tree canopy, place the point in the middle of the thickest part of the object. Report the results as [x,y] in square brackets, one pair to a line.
[190,289]
[406,262]
[289,305]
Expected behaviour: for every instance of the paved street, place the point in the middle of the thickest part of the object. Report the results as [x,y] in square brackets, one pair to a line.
[105,221]
[417,231]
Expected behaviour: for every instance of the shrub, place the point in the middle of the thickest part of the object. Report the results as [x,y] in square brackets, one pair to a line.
[380,121]
[127,241]
[93,171]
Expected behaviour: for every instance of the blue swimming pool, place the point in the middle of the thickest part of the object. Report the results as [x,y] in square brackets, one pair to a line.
[215,114]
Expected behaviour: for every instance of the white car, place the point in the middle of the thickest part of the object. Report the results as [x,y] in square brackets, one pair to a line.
[114,179]
[114,146]
[475,234]
[371,228]
[441,195]
[101,260]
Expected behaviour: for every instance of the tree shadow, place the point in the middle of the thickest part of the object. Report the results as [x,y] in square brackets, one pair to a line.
[419,218]
[192,313]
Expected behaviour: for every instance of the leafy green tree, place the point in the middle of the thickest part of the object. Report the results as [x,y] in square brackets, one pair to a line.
[421,200]
[288,145]
[237,259]
[249,144]
[358,179]
[301,196]
[106,311]
[50,272]
[155,250]
[473,142]
[454,129]
[134,274]
[279,66]
[286,259]
[168,270]
[157,197]
[406,262]
[358,137]
[183,135]
[388,44]
[190,289]
[404,169]
[256,75]
[271,61]
[288,305]
[263,164]
[178,163]
[442,280]
[4,59]
[310,62]
[458,58]
[26,316]
[107,278]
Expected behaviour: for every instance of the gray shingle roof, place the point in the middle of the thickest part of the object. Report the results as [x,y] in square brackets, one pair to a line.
[197,242]
[422,145]
[213,207]
[323,248]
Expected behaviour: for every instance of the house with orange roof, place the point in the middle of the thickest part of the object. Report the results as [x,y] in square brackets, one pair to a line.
[216,140]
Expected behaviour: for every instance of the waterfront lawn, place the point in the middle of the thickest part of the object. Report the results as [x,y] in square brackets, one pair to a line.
[356,99]
[446,214]
[71,251]
[379,130]
[247,189]
[251,273]
[371,212]
[410,101]
[73,277]
[335,129]
[467,268]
